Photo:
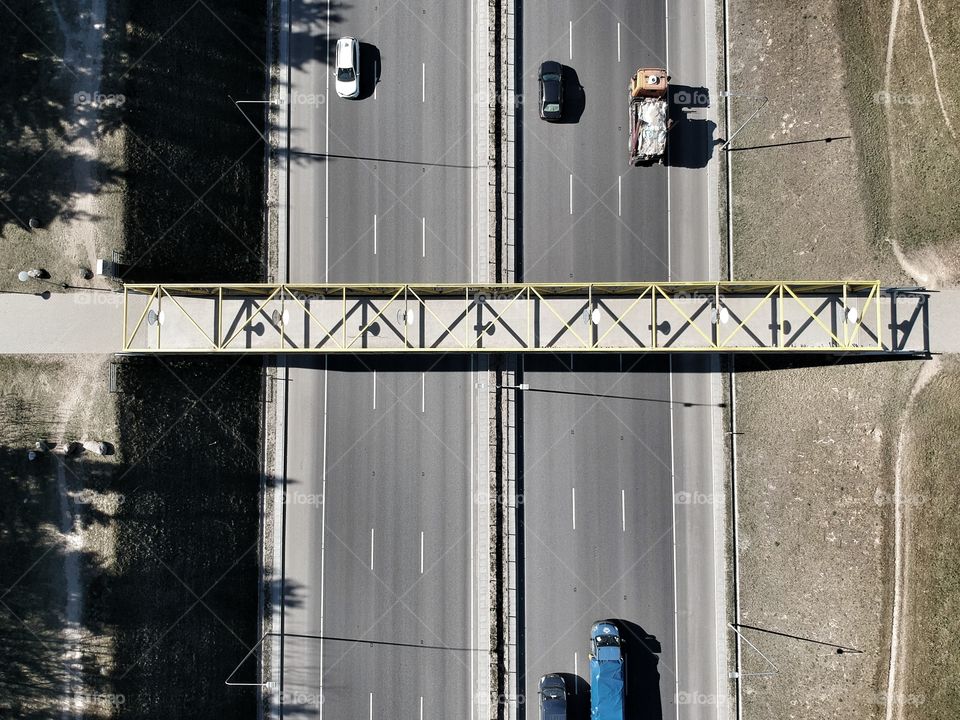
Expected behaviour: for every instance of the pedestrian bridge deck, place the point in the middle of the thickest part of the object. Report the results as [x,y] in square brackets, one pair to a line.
[782,317]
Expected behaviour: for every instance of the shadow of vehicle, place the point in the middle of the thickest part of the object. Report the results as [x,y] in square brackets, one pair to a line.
[578,697]
[574,97]
[640,650]
[691,142]
[369,69]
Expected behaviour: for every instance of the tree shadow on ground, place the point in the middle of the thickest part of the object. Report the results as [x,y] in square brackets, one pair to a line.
[39,118]
[35,675]
[195,193]
[170,564]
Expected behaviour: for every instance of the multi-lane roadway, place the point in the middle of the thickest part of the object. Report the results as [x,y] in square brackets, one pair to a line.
[620,512]
[385,461]
[381,609]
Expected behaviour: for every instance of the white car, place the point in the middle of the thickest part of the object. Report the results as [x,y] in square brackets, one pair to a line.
[348,67]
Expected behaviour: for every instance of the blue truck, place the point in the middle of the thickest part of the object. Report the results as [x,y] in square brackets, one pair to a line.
[606,672]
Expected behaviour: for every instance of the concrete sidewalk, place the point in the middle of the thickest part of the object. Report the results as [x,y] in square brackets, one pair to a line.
[70,322]
[944,321]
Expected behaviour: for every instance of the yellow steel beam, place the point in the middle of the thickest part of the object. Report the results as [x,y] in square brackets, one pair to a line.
[326,332]
[497,317]
[690,321]
[190,318]
[437,318]
[813,316]
[559,317]
[753,312]
[550,295]
[375,317]
[277,289]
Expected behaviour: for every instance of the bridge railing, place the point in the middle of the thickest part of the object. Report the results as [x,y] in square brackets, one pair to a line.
[691,317]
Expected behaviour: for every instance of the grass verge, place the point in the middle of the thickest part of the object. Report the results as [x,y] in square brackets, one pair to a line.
[932,498]
[194,202]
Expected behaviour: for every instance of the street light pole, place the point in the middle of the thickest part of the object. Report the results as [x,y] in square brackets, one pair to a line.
[728,94]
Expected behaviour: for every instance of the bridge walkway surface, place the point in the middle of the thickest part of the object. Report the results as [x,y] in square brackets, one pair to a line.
[790,317]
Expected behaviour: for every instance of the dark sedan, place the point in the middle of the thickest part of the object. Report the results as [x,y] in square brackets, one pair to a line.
[551,90]
[553,697]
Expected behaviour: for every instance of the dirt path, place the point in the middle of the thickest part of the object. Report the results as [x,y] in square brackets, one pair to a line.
[83,54]
[933,69]
[901,550]
[73,705]
[925,266]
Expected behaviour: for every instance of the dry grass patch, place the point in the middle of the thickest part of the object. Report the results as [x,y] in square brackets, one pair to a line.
[815,481]
[799,205]
[930,498]
[817,453]
[922,103]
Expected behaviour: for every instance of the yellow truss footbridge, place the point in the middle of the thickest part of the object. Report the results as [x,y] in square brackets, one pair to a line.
[638,317]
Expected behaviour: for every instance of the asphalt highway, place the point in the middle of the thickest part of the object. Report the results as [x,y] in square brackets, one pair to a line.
[380,567]
[380,564]
[619,513]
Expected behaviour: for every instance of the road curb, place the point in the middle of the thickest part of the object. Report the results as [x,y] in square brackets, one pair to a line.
[275,405]
[507,400]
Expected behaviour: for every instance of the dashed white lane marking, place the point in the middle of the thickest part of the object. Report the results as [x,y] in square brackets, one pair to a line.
[576,668]
[374,233]
[423,392]
[619,194]
[573,506]
[571,39]
[423,82]
[571,193]
[374,389]
[618,42]
[421,567]
[371,706]
[423,237]
[371,558]
[421,707]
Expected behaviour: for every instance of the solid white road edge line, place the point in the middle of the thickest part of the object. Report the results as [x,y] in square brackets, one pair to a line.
[623,509]
[573,506]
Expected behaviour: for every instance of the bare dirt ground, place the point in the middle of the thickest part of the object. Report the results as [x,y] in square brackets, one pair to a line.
[927,669]
[921,99]
[69,177]
[842,175]
[798,209]
[97,554]
[59,527]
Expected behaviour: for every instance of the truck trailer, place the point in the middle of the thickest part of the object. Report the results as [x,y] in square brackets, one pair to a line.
[648,108]
[607,689]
